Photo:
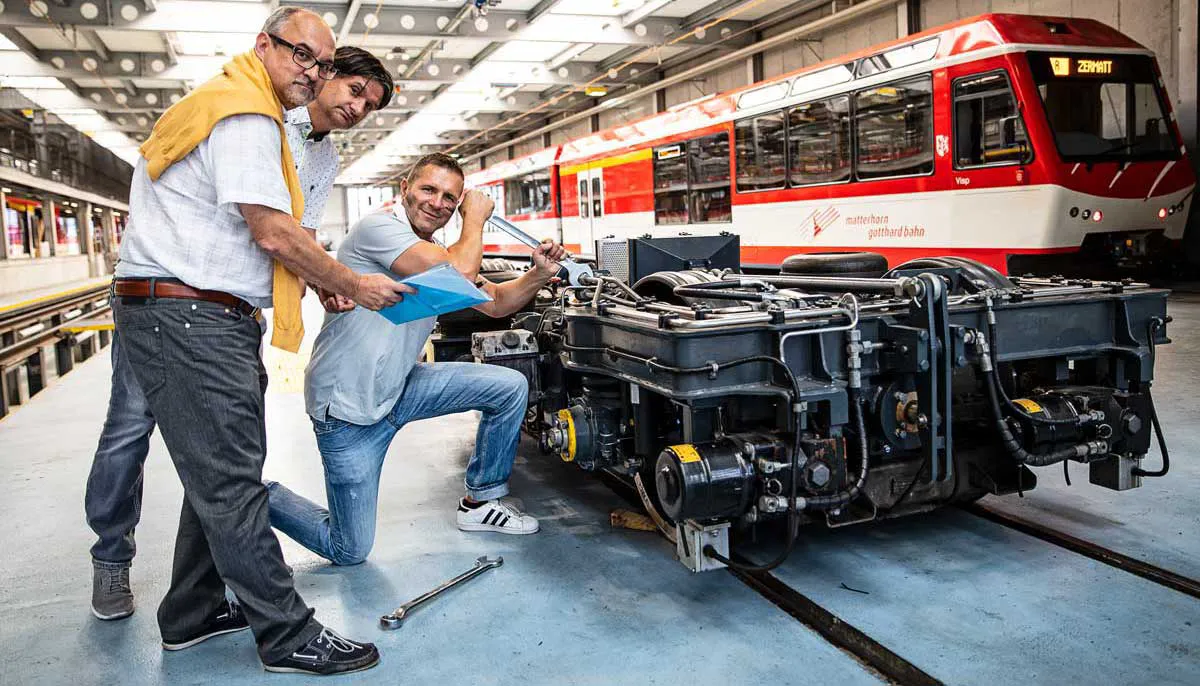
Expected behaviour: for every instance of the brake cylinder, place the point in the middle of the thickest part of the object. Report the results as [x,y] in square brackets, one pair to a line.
[709,480]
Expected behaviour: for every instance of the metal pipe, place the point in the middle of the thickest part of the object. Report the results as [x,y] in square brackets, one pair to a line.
[852,313]
[839,283]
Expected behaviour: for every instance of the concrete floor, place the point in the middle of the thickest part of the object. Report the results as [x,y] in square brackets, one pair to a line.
[966,600]
[578,603]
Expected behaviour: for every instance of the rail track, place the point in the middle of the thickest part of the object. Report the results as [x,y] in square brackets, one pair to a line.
[874,655]
[43,338]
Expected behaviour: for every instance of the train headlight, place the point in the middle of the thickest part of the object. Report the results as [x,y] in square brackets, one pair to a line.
[1097,216]
[1086,214]
[1074,212]
[1162,213]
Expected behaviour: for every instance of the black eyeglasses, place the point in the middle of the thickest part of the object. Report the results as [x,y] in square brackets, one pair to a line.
[306,59]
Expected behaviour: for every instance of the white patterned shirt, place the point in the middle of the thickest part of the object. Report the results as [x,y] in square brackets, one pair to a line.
[317,162]
[187,224]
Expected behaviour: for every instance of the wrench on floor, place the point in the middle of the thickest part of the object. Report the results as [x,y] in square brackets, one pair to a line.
[394,620]
[578,274]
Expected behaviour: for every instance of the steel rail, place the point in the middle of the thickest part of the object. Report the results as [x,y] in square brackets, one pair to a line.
[1099,553]
[835,630]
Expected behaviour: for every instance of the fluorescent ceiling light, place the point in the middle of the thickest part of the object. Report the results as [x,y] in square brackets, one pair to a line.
[32,83]
[646,9]
[610,8]
[568,55]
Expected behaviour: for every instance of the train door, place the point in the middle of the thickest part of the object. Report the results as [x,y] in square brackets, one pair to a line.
[590,184]
[990,150]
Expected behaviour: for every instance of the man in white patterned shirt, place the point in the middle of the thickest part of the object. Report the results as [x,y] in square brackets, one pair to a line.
[114,488]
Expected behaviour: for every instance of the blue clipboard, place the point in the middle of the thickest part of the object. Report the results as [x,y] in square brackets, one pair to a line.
[440,289]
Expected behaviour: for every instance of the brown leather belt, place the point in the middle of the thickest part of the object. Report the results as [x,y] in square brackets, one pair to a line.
[156,288]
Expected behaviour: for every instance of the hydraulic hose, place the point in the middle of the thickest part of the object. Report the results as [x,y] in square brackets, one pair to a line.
[995,374]
[836,500]
[1154,325]
[793,515]
[1022,455]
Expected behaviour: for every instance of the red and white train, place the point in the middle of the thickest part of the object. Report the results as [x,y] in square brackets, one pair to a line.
[1014,140]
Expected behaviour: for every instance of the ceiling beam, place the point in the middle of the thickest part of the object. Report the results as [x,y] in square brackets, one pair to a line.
[814,27]
[98,45]
[16,38]
[347,20]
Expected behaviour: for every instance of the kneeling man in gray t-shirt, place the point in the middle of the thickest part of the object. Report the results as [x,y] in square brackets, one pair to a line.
[364,382]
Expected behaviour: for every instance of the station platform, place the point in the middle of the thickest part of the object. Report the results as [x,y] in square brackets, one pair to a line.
[964,599]
[12,301]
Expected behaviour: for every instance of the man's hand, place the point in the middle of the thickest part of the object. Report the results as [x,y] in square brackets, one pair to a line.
[476,207]
[547,256]
[334,303]
[377,291]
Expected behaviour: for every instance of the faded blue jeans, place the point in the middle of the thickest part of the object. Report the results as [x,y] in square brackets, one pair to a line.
[353,455]
[113,500]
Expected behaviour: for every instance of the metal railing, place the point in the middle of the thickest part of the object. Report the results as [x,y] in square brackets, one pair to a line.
[40,341]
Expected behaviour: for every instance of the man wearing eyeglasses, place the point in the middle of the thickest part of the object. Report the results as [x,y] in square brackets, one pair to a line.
[113,497]
[215,199]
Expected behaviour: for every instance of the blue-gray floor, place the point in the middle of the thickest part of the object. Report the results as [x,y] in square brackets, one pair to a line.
[966,600]
[578,603]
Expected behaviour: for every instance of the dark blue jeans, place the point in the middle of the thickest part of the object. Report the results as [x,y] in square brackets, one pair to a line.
[353,455]
[198,365]
[113,500]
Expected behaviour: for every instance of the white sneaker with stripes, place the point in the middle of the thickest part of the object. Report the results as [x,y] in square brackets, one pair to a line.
[495,515]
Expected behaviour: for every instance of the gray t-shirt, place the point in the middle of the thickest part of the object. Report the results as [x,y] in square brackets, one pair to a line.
[361,360]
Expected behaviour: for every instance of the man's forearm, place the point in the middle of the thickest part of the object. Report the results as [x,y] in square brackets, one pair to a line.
[467,252]
[282,237]
[511,296]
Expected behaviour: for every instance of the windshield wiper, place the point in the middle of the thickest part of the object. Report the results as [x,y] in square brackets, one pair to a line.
[1120,148]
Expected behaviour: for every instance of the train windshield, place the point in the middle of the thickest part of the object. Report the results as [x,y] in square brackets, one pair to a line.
[1104,107]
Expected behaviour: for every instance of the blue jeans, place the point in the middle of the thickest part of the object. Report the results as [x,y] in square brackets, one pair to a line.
[353,455]
[113,500]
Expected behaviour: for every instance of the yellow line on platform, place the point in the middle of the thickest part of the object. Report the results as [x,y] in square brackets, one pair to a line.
[52,296]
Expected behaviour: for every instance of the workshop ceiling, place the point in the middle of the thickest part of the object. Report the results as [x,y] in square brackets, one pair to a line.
[464,70]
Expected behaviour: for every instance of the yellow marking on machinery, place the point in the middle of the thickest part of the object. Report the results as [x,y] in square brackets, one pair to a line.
[1028,405]
[53,296]
[635,156]
[686,452]
[568,456]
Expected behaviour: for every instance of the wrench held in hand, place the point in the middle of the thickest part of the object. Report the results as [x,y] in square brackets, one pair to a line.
[578,273]
[394,620]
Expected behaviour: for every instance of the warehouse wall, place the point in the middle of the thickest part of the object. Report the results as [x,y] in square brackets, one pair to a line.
[527,147]
[638,109]
[878,27]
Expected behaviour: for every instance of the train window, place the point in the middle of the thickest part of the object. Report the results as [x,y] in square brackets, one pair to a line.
[691,181]
[823,79]
[1105,107]
[987,127]
[819,142]
[708,178]
[597,194]
[584,205]
[670,185]
[527,194]
[895,58]
[894,129]
[761,145]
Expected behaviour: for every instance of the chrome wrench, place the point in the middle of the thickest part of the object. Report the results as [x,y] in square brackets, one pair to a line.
[396,618]
[578,274]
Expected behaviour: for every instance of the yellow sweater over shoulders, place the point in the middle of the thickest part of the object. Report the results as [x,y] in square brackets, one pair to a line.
[242,87]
